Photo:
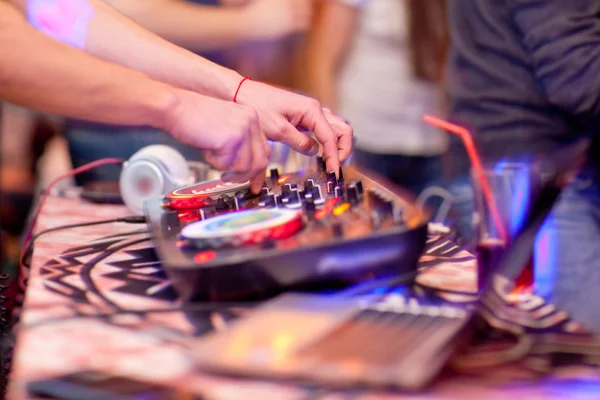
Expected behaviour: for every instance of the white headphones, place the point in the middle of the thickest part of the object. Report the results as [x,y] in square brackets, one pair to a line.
[157,170]
[152,172]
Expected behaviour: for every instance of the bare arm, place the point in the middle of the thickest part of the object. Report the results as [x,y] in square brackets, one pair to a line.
[41,73]
[192,26]
[325,48]
[197,27]
[114,37]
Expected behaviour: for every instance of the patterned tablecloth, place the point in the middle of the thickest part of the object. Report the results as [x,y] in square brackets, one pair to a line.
[84,282]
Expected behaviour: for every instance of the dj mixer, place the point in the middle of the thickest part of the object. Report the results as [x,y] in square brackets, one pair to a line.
[308,229]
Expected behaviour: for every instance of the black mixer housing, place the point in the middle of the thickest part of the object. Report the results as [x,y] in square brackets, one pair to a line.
[355,227]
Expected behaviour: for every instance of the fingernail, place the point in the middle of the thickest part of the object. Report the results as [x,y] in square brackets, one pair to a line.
[314,149]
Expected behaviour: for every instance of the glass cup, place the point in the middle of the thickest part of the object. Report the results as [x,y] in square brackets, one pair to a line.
[513,187]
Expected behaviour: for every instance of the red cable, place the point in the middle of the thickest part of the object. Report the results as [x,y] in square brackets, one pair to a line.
[467,140]
[76,171]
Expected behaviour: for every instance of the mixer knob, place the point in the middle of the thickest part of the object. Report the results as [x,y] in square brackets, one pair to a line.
[359,185]
[317,194]
[341,175]
[331,177]
[321,164]
[223,203]
[353,193]
[309,184]
[267,201]
[278,201]
[240,195]
[331,182]
[294,196]
[339,191]
[286,189]
[274,172]
[309,206]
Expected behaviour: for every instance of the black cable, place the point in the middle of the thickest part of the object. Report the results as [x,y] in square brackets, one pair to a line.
[128,220]
[189,307]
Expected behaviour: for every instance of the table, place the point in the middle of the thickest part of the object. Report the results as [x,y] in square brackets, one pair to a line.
[80,277]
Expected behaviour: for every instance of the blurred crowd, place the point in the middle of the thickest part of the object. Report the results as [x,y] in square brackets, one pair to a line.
[376,63]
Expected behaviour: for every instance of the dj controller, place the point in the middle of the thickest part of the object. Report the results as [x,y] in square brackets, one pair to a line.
[308,229]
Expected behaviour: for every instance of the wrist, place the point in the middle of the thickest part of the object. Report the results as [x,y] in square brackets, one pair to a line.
[219,82]
[162,107]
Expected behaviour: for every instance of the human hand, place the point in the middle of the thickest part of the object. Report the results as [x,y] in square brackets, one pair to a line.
[272,19]
[281,113]
[228,133]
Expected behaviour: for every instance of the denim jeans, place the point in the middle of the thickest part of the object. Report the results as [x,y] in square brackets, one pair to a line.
[567,254]
[567,248]
[90,143]
[414,173]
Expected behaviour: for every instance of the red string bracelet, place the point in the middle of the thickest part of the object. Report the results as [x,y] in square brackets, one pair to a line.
[467,140]
[247,78]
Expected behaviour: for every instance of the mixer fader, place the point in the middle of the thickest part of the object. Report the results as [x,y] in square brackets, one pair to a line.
[216,240]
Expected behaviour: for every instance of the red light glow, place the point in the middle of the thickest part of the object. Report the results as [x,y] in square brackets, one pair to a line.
[205,256]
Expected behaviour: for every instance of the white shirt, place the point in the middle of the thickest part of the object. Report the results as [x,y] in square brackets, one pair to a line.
[377,92]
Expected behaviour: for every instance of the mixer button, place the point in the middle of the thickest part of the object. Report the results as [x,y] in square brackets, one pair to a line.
[317,195]
[294,196]
[267,201]
[278,201]
[340,175]
[223,203]
[330,187]
[353,193]
[331,178]
[359,185]
[309,206]
[286,189]
[309,184]
[321,164]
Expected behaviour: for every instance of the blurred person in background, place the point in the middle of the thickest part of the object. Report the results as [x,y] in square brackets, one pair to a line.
[212,28]
[523,78]
[378,64]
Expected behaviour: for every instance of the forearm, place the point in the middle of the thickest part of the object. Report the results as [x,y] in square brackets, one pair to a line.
[44,74]
[114,37]
[192,26]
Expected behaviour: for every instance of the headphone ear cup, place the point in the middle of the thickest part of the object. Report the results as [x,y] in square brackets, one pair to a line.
[172,161]
[151,173]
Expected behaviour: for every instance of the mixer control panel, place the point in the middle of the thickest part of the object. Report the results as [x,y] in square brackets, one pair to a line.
[218,240]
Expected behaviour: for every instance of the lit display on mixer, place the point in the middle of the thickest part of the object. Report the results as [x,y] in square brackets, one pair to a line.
[244,227]
[203,194]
